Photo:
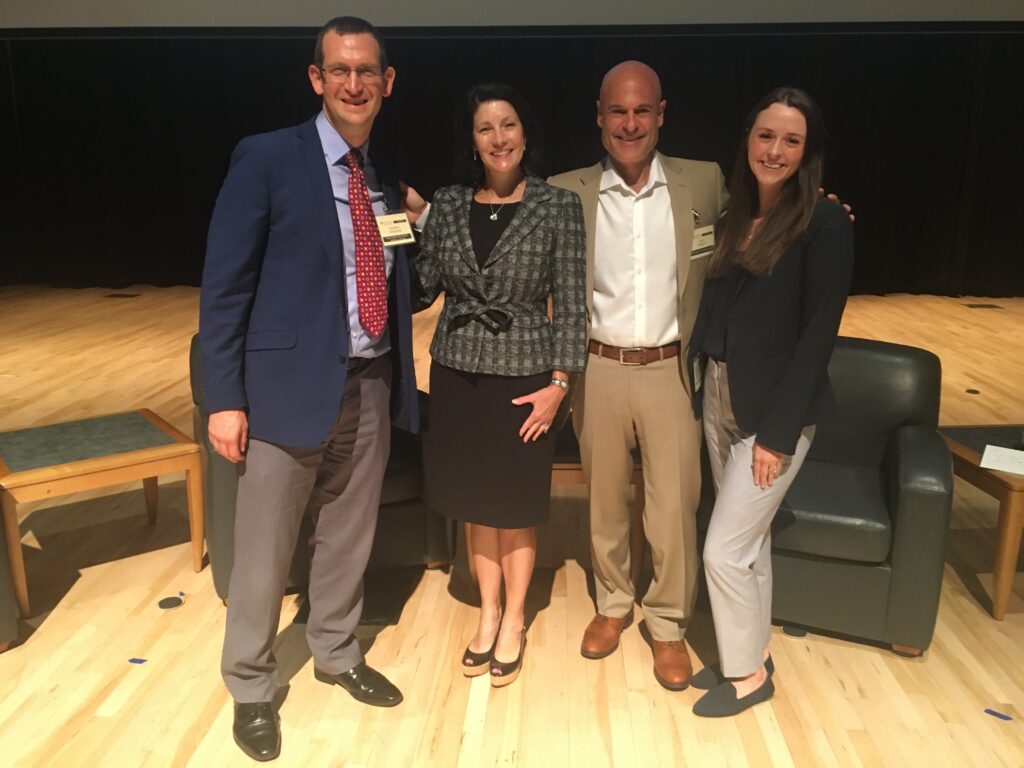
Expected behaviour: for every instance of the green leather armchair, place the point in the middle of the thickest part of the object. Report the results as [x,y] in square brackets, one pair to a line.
[407,532]
[858,546]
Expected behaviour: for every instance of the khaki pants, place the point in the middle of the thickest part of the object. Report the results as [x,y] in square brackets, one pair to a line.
[619,408]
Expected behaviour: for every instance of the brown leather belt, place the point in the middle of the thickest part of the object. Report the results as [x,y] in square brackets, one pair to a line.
[634,355]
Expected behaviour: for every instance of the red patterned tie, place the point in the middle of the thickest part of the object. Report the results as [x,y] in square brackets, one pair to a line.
[371,279]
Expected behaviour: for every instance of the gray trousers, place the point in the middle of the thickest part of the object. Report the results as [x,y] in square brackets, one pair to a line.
[737,551]
[339,484]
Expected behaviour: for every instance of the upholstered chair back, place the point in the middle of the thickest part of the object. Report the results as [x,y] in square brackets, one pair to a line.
[879,387]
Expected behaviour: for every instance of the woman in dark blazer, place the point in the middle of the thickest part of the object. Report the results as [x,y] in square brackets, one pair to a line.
[769,315]
[499,244]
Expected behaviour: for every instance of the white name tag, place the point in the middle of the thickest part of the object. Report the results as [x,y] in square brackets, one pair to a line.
[395,229]
[703,242]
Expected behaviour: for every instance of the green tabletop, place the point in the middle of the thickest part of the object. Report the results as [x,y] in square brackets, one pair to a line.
[49,446]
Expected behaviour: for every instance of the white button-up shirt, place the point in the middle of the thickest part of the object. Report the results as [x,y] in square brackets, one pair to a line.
[635,284]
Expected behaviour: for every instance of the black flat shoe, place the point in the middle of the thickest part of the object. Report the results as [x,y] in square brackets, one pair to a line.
[711,676]
[474,664]
[505,672]
[366,685]
[257,730]
[721,701]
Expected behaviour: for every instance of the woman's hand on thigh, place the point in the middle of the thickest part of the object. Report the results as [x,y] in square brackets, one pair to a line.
[545,404]
[766,465]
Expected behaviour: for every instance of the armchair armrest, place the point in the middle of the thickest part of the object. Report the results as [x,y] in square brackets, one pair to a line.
[919,490]
[220,485]
[195,371]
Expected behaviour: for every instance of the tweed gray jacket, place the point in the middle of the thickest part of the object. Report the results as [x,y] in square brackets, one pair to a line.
[495,319]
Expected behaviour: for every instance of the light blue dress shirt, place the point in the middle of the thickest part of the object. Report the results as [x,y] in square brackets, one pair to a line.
[360,343]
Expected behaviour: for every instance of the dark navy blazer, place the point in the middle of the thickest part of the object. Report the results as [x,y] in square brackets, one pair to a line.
[781,331]
[273,325]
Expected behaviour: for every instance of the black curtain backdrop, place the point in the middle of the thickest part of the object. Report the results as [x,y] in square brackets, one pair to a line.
[113,143]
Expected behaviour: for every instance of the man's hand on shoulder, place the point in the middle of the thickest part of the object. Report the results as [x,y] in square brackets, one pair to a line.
[413,204]
[835,199]
[229,434]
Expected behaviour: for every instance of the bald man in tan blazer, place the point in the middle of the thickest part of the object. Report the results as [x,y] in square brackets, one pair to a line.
[649,221]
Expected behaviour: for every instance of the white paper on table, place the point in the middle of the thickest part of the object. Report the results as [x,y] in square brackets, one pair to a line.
[1003,459]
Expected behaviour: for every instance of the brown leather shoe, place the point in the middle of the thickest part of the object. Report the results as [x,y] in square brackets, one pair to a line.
[672,667]
[602,635]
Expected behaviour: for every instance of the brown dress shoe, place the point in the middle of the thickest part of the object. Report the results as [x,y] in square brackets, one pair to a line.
[672,667]
[602,635]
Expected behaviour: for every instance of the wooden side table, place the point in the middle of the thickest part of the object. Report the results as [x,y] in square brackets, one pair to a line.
[967,445]
[50,461]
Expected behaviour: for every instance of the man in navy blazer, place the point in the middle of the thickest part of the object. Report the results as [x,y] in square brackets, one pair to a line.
[300,393]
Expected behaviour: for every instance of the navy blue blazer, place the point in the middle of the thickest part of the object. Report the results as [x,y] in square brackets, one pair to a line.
[273,325]
[781,331]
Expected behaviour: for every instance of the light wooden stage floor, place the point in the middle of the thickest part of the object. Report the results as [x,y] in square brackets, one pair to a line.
[69,697]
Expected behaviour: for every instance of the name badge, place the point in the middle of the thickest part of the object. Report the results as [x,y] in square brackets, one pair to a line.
[703,242]
[395,229]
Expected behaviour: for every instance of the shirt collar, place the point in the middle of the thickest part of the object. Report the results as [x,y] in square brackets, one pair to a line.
[610,178]
[335,147]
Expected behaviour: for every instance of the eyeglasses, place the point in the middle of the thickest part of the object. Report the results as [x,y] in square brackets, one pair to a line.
[341,74]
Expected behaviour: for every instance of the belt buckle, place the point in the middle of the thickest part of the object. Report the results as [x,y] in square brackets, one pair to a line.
[623,350]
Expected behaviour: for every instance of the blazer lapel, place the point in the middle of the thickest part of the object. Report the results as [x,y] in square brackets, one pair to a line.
[527,216]
[323,197]
[460,222]
[589,189]
[682,216]
[744,279]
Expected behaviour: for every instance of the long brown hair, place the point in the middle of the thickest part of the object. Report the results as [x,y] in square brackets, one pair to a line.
[789,217]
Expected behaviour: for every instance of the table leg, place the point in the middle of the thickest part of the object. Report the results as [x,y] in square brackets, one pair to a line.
[196,520]
[152,490]
[1011,518]
[17,561]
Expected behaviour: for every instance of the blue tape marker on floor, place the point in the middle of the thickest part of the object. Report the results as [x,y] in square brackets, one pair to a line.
[1000,715]
[136,661]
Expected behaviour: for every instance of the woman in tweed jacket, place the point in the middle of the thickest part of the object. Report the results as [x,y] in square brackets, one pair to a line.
[499,245]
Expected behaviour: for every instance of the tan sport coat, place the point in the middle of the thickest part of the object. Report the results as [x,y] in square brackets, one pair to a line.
[699,197]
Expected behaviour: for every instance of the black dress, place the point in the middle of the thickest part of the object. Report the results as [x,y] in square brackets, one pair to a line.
[477,468]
